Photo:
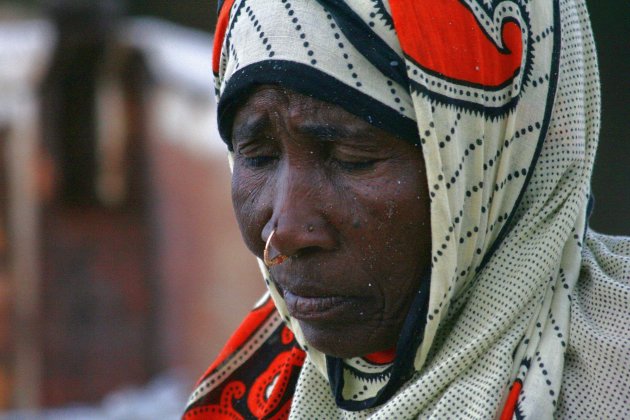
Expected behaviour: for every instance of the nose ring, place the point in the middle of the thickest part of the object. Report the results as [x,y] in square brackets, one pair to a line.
[278,259]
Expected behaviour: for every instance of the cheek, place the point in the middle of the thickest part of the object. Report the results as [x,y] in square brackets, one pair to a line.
[396,225]
[250,207]
[393,204]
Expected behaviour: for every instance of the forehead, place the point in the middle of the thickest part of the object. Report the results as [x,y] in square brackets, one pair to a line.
[269,97]
[269,105]
[272,107]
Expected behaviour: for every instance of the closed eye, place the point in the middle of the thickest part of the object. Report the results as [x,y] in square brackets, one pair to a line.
[356,166]
[258,161]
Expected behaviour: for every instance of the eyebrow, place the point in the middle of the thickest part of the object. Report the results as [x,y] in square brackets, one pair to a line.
[328,132]
[251,128]
[321,131]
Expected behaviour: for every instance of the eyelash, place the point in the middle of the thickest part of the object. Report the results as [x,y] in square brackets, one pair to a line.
[259,161]
[355,166]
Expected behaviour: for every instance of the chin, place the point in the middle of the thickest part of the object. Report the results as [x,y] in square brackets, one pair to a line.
[341,341]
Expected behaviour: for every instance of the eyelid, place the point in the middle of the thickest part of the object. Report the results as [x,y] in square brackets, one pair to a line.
[256,153]
[358,150]
[243,145]
[356,166]
[258,161]
[354,158]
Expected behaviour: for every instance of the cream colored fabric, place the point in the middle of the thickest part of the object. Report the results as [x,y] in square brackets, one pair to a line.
[551,305]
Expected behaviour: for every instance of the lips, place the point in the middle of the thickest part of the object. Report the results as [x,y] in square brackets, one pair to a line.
[322,308]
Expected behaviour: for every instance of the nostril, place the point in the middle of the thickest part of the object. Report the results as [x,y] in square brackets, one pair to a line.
[305,252]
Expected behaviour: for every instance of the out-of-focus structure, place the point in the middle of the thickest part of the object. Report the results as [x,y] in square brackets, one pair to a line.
[25,51]
[119,255]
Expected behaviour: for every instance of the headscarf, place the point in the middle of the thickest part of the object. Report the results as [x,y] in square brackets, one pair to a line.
[503,98]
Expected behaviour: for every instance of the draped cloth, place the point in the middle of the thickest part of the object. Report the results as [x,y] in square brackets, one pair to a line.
[528,311]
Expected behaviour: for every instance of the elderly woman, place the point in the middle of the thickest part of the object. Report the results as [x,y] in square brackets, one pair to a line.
[415,179]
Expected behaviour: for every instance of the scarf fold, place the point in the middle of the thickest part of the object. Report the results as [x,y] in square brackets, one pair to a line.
[503,98]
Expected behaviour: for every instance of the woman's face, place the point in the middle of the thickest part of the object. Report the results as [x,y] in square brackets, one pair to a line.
[349,205]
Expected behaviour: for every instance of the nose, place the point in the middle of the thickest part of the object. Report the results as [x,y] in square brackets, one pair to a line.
[300,215]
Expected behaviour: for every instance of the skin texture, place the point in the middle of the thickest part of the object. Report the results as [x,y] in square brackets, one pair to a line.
[350,207]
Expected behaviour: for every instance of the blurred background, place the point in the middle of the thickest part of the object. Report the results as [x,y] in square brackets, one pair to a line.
[122,271]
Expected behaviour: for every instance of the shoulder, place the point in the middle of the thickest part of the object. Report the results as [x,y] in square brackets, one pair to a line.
[596,371]
[606,259]
[255,374]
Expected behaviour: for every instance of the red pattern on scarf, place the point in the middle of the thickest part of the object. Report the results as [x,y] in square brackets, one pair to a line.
[440,35]
[262,385]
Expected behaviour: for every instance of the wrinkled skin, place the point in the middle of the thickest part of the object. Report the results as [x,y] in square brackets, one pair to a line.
[350,207]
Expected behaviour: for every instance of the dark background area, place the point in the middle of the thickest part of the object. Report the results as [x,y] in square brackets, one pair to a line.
[611,181]
[198,14]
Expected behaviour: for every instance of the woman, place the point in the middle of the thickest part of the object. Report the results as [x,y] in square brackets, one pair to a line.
[415,178]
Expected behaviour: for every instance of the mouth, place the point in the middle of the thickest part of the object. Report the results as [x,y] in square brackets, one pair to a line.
[322,308]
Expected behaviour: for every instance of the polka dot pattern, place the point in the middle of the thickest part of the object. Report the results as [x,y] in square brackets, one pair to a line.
[599,345]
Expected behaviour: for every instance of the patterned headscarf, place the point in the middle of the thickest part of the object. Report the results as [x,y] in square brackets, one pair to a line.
[503,98]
